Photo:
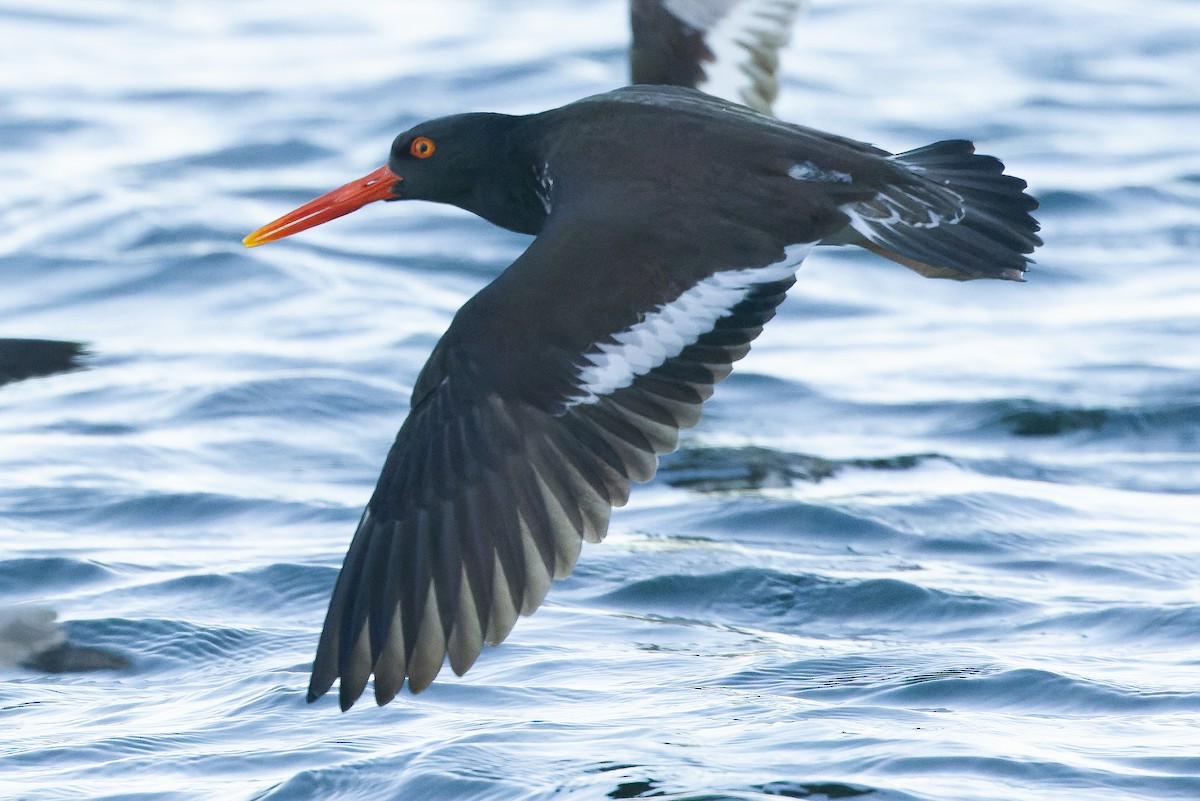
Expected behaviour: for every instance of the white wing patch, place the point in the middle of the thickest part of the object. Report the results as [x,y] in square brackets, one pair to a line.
[665,332]
[744,37]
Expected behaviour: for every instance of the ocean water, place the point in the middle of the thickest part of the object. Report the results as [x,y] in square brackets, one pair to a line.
[931,541]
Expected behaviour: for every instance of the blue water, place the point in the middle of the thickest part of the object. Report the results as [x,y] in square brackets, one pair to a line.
[931,542]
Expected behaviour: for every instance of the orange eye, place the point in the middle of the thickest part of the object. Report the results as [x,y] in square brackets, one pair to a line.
[422,147]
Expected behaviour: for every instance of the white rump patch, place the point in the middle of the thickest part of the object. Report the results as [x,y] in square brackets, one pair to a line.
[664,332]
[741,34]
[807,171]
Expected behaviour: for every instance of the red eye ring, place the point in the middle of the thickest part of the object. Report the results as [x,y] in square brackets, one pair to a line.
[422,147]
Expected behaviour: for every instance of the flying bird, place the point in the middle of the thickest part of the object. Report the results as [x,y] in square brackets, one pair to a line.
[726,48]
[668,225]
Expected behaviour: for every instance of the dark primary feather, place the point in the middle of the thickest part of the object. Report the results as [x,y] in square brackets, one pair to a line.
[665,49]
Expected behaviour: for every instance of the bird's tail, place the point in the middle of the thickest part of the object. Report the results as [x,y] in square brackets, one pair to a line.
[951,214]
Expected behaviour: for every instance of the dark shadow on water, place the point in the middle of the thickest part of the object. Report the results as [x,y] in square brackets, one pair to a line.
[754,468]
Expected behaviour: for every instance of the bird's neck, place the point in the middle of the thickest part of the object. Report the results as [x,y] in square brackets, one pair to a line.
[513,188]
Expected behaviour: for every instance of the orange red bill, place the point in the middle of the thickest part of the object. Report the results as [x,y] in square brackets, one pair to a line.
[379,185]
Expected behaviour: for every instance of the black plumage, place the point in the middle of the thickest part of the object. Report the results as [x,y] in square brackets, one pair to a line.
[668,227]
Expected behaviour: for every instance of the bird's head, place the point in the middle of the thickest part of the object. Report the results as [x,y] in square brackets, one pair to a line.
[458,160]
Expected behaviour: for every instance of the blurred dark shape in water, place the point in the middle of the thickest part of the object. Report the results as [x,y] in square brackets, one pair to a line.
[31,637]
[32,358]
[754,468]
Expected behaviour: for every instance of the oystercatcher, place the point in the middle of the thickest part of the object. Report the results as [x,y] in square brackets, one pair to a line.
[668,226]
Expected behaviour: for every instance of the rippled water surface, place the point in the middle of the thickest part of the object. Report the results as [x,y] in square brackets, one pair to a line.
[931,542]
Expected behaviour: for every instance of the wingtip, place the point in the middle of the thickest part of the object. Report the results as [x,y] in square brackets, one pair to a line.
[346,698]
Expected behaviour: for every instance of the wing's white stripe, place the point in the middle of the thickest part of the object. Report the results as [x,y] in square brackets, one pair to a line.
[666,331]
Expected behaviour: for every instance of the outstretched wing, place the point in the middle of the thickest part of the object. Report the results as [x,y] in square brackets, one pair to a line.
[528,425]
[727,48]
